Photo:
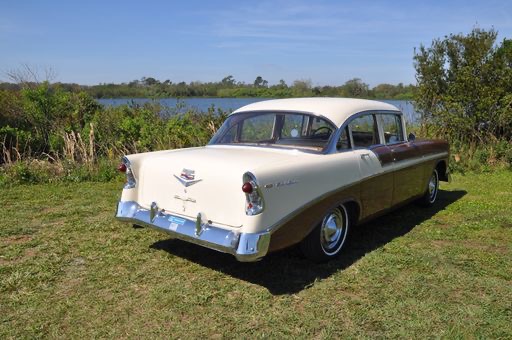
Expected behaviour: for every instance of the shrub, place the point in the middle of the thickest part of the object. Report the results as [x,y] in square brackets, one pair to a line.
[465,95]
[61,136]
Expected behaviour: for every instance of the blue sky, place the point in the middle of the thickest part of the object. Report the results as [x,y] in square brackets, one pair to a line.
[329,42]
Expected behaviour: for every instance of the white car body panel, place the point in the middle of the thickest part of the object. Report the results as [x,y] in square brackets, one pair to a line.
[218,195]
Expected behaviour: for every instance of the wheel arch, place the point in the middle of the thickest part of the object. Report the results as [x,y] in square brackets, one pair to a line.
[353,210]
[442,171]
[299,227]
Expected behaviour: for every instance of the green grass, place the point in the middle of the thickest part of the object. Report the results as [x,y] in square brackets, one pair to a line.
[68,269]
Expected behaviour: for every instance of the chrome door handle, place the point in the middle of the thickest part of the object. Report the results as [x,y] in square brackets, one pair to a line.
[365,155]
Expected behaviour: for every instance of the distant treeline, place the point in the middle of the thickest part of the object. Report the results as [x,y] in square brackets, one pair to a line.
[149,87]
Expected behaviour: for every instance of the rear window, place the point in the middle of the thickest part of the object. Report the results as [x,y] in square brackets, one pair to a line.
[288,129]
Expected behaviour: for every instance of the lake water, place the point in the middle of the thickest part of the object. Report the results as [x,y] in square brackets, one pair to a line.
[231,104]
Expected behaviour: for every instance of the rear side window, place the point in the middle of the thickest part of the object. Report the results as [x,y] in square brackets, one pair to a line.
[293,126]
[364,131]
[257,129]
[320,127]
[392,128]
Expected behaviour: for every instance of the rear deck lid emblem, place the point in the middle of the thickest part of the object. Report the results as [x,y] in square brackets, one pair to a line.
[187,177]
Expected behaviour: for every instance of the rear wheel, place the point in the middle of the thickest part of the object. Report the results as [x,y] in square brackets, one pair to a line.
[430,195]
[328,238]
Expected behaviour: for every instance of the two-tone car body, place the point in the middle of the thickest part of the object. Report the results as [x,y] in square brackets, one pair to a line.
[283,172]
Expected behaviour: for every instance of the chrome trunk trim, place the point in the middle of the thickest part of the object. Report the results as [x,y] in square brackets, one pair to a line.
[246,247]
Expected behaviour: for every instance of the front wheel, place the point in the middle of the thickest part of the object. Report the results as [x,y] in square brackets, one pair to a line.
[430,195]
[328,238]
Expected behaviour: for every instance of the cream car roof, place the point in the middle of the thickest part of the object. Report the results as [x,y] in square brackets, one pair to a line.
[336,110]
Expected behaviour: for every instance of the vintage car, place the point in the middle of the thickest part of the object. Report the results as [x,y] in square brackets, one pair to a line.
[284,172]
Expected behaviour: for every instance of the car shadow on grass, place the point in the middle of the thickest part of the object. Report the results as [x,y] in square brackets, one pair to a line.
[288,272]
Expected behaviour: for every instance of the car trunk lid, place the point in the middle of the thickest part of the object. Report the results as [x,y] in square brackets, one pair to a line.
[204,180]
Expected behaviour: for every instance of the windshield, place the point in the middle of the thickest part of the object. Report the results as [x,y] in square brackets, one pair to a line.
[281,129]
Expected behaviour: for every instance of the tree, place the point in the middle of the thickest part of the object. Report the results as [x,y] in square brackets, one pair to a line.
[465,86]
[228,81]
[385,90]
[355,88]
[149,81]
[302,88]
[258,82]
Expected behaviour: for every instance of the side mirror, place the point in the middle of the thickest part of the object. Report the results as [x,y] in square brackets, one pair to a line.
[411,137]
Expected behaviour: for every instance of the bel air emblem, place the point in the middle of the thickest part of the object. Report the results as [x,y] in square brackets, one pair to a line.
[187,177]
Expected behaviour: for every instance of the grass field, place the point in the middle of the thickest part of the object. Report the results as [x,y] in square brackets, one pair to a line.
[69,270]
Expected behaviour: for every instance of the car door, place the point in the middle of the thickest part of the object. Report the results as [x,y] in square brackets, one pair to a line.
[408,173]
[375,162]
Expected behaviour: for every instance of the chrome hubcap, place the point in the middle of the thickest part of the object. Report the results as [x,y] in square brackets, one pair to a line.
[332,231]
[432,187]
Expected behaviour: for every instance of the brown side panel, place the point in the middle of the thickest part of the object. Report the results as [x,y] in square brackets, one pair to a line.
[408,182]
[383,154]
[376,193]
[404,151]
[429,147]
[296,229]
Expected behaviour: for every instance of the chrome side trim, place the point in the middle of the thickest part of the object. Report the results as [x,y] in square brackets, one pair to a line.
[405,163]
[246,247]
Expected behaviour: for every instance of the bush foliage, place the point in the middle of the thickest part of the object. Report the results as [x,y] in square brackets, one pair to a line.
[464,93]
[50,134]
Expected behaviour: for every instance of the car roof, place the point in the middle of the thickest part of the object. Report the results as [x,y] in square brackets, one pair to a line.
[337,110]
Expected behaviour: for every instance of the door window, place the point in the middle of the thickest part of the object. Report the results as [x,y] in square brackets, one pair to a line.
[392,128]
[364,131]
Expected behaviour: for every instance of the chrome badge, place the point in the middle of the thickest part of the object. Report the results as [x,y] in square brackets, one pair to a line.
[281,184]
[187,177]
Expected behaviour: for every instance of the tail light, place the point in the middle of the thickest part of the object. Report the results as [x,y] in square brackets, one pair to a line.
[247,188]
[122,167]
[125,167]
[253,198]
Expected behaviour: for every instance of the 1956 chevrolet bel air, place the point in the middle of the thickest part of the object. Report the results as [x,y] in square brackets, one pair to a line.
[283,172]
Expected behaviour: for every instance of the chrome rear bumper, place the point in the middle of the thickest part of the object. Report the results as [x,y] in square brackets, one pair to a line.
[246,247]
